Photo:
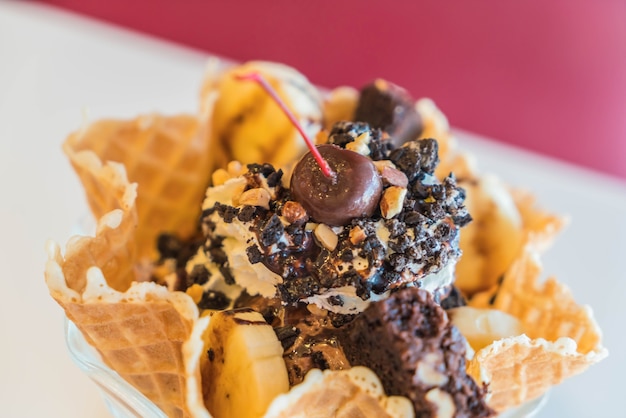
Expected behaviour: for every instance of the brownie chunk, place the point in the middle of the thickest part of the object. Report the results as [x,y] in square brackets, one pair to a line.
[409,342]
[389,107]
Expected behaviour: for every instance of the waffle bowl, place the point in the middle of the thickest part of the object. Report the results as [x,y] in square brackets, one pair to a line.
[125,401]
[123,203]
[120,397]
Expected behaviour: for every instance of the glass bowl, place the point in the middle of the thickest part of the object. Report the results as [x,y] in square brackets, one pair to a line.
[124,401]
[121,398]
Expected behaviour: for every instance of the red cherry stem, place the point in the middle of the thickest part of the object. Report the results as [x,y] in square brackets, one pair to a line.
[326,170]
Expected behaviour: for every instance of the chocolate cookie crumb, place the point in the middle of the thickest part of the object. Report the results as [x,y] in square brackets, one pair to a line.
[213,300]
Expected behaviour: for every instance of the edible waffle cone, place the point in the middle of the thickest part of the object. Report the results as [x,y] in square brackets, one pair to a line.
[139,329]
[166,156]
[356,392]
[562,338]
[540,226]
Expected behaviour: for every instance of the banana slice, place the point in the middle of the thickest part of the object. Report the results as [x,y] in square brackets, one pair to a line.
[245,365]
[492,241]
[246,124]
[481,327]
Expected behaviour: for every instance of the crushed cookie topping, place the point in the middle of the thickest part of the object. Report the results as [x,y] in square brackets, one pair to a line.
[414,233]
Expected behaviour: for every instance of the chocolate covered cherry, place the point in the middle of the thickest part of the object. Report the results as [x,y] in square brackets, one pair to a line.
[353,191]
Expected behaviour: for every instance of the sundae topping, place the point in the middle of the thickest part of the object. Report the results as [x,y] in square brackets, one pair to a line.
[391,108]
[280,247]
[354,192]
[310,342]
[348,189]
[323,165]
[307,334]
[408,341]
[453,299]
[346,134]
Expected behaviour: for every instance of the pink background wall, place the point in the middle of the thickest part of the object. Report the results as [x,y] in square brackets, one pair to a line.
[546,75]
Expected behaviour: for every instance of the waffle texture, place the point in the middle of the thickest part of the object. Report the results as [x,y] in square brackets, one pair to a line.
[138,328]
[165,156]
[562,338]
[356,392]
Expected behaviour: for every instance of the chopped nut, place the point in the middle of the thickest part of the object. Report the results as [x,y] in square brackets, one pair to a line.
[380,164]
[394,177]
[360,144]
[357,235]
[237,191]
[428,374]
[235,168]
[392,201]
[219,177]
[443,401]
[294,212]
[326,237]
[255,197]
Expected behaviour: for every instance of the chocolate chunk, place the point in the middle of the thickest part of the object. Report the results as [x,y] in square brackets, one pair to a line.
[429,150]
[389,107]
[264,169]
[247,213]
[443,231]
[335,300]
[287,335]
[168,246]
[254,254]
[414,218]
[454,299]
[346,256]
[213,300]
[408,341]
[228,213]
[171,247]
[396,228]
[297,234]
[199,275]
[298,288]
[274,178]
[339,320]
[227,274]
[319,361]
[407,159]
[345,132]
[271,231]
[217,253]
[342,133]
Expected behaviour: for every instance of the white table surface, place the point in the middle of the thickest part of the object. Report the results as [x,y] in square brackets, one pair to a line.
[54,65]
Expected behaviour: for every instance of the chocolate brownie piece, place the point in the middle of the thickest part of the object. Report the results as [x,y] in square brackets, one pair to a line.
[409,342]
[389,107]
